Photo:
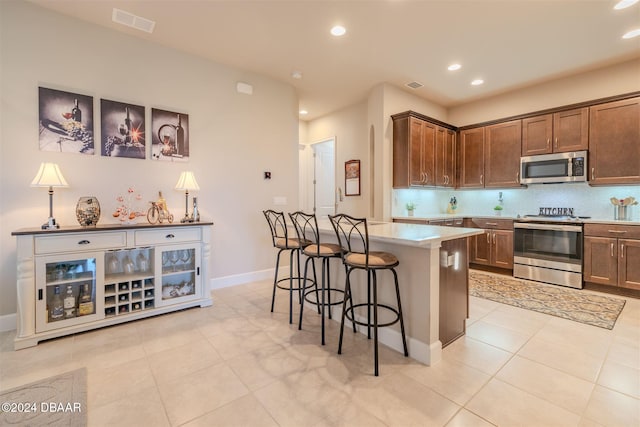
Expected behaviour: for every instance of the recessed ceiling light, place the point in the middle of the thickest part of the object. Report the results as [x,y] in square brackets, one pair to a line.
[296,75]
[623,4]
[454,67]
[631,34]
[477,82]
[303,112]
[338,30]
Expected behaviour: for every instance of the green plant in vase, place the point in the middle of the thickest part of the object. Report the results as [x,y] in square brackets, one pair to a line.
[410,208]
[498,210]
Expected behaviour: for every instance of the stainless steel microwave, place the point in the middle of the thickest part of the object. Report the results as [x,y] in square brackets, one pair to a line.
[556,167]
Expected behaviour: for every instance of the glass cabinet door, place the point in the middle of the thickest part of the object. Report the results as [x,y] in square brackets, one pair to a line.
[68,290]
[179,275]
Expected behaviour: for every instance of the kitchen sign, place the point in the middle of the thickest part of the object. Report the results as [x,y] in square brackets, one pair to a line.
[556,212]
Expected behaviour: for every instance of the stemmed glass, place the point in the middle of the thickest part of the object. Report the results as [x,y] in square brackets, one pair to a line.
[185,256]
[165,258]
[174,258]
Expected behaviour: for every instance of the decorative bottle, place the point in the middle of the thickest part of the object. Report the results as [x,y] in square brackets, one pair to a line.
[196,212]
[180,137]
[76,113]
[56,305]
[85,302]
[129,125]
[69,303]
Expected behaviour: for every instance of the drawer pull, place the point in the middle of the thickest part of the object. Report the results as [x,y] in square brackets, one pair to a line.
[84,242]
[170,236]
[492,223]
[617,231]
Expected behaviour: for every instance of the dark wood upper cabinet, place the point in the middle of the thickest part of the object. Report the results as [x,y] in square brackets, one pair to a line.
[614,142]
[559,132]
[502,156]
[445,157]
[423,153]
[472,158]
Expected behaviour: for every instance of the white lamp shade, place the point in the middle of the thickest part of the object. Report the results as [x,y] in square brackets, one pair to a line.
[49,175]
[187,181]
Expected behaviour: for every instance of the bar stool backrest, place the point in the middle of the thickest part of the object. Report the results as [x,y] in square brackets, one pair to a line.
[352,234]
[277,225]
[306,226]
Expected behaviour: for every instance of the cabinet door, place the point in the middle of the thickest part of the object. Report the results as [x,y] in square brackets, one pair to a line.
[480,251]
[502,156]
[472,158]
[571,130]
[428,153]
[177,274]
[416,147]
[614,142]
[61,280]
[537,133]
[601,260]
[502,248]
[445,157]
[629,263]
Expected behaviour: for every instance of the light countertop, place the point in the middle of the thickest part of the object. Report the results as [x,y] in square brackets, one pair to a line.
[409,234]
[429,217]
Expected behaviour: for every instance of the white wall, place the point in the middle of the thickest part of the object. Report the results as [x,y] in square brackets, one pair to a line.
[234,138]
[349,128]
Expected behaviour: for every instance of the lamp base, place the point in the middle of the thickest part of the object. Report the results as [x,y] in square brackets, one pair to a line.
[186,219]
[51,224]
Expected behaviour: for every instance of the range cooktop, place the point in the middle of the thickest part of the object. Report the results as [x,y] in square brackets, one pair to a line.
[552,218]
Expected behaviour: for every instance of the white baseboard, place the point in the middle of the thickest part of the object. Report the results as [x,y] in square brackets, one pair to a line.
[239,279]
[8,322]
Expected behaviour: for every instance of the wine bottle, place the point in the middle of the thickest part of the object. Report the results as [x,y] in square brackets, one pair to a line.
[56,305]
[128,125]
[180,137]
[76,113]
[69,303]
[85,301]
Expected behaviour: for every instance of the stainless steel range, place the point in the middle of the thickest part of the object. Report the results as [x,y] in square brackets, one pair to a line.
[548,247]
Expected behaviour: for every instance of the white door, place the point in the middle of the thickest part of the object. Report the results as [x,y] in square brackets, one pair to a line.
[324,178]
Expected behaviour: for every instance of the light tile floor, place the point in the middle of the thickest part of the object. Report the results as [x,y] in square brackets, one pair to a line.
[236,364]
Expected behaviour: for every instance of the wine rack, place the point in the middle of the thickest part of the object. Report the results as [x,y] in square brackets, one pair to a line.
[129,286]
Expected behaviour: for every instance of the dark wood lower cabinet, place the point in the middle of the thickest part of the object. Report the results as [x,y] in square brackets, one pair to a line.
[454,290]
[612,255]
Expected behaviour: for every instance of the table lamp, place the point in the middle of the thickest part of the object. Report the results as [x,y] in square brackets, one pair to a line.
[186,182]
[49,175]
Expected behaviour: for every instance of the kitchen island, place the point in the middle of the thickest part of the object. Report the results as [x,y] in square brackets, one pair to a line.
[433,272]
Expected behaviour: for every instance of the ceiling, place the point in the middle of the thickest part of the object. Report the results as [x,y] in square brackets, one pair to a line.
[510,44]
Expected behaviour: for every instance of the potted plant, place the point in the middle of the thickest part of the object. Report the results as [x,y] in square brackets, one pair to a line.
[410,208]
[498,210]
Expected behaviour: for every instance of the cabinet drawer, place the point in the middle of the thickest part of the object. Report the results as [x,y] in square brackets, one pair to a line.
[167,235]
[612,230]
[411,221]
[80,242]
[498,224]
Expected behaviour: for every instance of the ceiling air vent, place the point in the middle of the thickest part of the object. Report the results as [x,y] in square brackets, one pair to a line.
[414,85]
[130,20]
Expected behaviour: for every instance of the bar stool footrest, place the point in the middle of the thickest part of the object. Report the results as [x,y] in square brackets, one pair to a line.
[350,310]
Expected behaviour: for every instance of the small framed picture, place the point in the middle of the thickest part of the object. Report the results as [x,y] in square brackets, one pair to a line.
[352,178]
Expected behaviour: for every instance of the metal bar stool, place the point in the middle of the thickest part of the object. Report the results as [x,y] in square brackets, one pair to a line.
[306,226]
[353,236]
[282,242]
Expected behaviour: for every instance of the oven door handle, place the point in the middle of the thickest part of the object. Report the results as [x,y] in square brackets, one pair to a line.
[552,227]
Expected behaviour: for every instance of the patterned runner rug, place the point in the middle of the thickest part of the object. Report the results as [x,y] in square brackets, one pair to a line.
[568,303]
[56,401]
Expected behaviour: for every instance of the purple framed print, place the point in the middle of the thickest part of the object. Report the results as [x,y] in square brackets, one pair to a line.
[122,130]
[169,136]
[66,121]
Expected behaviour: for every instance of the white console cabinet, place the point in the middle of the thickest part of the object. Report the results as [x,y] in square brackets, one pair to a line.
[76,279]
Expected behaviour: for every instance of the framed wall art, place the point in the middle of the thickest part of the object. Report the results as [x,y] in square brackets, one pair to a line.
[122,129]
[66,121]
[169,136]
[352,178]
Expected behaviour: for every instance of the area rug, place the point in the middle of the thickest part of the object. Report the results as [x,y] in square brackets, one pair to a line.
[568,303]
[55,401]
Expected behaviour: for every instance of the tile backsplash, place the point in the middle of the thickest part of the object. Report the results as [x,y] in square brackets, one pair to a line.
[585,200]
